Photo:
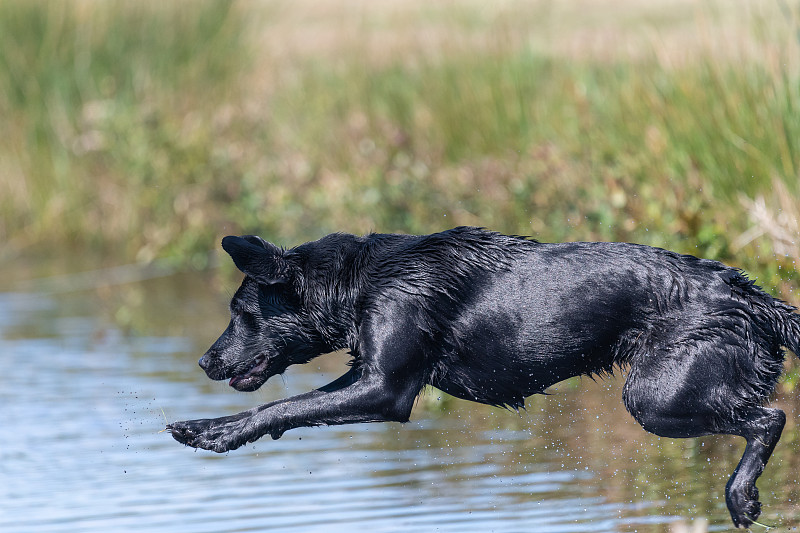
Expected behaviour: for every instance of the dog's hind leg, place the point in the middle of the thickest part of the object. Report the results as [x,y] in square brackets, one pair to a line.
[689,392]
[762,428]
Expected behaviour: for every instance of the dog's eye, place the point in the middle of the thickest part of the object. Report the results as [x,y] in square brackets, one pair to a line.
[248,319]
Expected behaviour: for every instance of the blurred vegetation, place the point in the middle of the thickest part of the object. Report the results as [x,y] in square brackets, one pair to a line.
[148,130]
[103,143]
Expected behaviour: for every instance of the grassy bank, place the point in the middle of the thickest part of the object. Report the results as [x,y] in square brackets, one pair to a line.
[150,130]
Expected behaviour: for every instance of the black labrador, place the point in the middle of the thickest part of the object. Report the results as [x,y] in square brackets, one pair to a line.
[493,319]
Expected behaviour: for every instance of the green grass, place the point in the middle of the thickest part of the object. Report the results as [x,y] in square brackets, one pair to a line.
[151,129]
[97,138]
[534,145]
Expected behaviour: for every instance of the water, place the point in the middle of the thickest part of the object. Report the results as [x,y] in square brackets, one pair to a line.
[90,378]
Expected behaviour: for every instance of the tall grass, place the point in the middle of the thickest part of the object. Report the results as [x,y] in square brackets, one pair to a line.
[532,144]
[150,129]
[97,99]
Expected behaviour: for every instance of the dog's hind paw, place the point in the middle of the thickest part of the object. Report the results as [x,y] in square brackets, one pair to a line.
[744,506]
[218,434]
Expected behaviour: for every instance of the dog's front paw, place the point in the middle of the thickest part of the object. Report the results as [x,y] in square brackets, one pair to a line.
[743,505]
[216,434]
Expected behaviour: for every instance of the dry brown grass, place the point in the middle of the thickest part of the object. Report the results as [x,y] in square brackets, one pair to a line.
[608,30]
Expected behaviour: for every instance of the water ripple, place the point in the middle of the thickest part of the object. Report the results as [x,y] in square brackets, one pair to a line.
[81,450]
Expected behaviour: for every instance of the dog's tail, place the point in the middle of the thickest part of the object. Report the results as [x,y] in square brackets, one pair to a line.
[786,325]
[779,319]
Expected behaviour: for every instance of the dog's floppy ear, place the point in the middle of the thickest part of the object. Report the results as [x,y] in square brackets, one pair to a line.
[257,258]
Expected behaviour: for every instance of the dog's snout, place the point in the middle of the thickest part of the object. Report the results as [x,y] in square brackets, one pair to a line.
[212,365]
[205,361]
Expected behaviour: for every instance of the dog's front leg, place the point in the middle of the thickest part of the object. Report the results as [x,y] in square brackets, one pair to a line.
[228,432]
[381,389]
[368,399]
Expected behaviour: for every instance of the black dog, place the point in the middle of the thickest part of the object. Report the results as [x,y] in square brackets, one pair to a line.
[494,319]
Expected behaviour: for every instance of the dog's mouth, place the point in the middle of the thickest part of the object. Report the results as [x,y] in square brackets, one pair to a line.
[252,378]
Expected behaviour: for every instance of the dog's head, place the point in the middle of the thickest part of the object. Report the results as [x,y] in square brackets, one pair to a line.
[269,328]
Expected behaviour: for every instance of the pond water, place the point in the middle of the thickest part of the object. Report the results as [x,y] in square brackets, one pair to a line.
[90,377]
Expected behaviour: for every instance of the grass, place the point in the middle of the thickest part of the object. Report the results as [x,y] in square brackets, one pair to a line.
[151,129]
[98,143]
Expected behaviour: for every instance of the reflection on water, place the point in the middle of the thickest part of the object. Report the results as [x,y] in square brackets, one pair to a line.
[84,401]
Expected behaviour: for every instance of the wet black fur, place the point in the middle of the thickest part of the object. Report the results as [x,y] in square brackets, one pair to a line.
[493,319]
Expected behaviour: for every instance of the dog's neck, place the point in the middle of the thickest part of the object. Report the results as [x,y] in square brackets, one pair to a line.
[331,288]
